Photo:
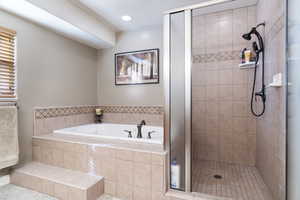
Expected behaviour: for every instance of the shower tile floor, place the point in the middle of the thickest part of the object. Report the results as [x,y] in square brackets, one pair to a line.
[238,182]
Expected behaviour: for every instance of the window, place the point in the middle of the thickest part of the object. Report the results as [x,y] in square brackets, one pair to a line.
[7,64]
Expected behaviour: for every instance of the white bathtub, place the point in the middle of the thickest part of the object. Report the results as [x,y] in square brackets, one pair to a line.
[115,131]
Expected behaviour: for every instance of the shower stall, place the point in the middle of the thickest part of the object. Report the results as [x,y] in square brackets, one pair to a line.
[214,113]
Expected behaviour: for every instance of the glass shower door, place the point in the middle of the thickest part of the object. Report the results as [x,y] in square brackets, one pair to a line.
[179,99]
[177,102]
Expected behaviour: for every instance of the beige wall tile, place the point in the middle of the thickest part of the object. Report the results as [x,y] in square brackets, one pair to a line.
[46,155]
[223,109]
[108,169]
[225,93]
[142,176]
[158,159]
[142,157]
[225,77]
[211,93]
[199,93]
[159,196]
[140,193]
[124,192]
[240,92]
[157,180]
[270,127]
[47,187]
[125,171]
[76,194]
[35,183]
[124,154]
[69,160]
[61,191]
[103,152]
[58,157]
[95,191]
[36,153]
[110,188]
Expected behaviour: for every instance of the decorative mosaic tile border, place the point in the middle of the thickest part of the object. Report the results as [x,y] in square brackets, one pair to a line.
[154,110]
[216,57]
[49,112]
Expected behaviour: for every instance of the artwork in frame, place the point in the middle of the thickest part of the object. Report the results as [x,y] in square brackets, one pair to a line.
[137,67]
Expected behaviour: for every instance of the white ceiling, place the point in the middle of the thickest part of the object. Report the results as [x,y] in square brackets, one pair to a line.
[144,13]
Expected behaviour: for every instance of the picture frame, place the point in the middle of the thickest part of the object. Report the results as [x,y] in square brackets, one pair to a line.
[137,67]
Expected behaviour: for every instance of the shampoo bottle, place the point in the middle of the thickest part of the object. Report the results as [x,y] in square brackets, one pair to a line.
[175,174]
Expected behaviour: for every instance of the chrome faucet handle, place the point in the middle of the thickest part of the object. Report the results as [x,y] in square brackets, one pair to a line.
[129,133]
[149,134]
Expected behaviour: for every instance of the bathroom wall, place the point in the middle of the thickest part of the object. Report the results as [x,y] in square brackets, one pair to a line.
[271,131]
[223,128]
[52,70]
[133,95]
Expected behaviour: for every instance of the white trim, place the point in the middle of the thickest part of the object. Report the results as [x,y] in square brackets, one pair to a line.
[4,180]
[199,5]
[224,6]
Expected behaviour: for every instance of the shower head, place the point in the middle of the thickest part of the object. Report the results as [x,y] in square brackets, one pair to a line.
[247,36]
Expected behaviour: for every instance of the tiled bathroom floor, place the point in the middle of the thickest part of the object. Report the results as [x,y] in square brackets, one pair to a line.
[13,192]
[237,182]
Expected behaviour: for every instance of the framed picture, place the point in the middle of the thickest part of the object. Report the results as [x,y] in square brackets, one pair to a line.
[137,67]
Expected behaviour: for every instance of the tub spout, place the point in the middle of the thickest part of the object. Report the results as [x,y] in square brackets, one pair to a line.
[139,127]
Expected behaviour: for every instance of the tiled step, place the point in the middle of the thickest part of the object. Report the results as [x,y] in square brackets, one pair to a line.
[63,184]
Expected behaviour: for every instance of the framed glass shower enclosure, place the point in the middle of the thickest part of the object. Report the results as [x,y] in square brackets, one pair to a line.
[177,89]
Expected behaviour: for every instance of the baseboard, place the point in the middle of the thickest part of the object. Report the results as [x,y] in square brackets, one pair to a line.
[4,180]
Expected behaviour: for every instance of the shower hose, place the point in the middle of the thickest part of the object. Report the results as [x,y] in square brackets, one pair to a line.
[261,94]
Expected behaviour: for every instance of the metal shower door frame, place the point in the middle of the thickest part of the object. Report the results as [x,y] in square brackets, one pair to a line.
[188,95]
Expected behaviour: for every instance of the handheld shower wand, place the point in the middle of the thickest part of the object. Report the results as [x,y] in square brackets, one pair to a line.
[258,50]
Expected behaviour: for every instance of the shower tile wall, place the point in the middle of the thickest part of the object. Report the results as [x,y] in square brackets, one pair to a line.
[222,126]
[271,133]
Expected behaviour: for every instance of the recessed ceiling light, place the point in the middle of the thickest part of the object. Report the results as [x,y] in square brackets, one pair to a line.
[126,18]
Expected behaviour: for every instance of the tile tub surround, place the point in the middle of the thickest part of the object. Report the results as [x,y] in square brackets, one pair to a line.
[223,128]
[52,118]
[130,174]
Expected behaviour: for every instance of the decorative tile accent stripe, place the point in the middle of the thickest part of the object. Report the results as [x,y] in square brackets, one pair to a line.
[42,113]
[216,57]
[155,110]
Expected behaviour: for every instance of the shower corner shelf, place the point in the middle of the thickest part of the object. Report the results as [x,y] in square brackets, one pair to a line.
[247,65]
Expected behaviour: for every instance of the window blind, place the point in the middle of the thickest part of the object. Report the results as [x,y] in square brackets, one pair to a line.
[7,64]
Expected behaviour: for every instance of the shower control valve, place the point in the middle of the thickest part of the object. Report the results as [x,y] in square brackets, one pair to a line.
[261,94]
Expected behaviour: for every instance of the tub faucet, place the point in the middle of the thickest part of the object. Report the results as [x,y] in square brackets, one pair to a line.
[139,127]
